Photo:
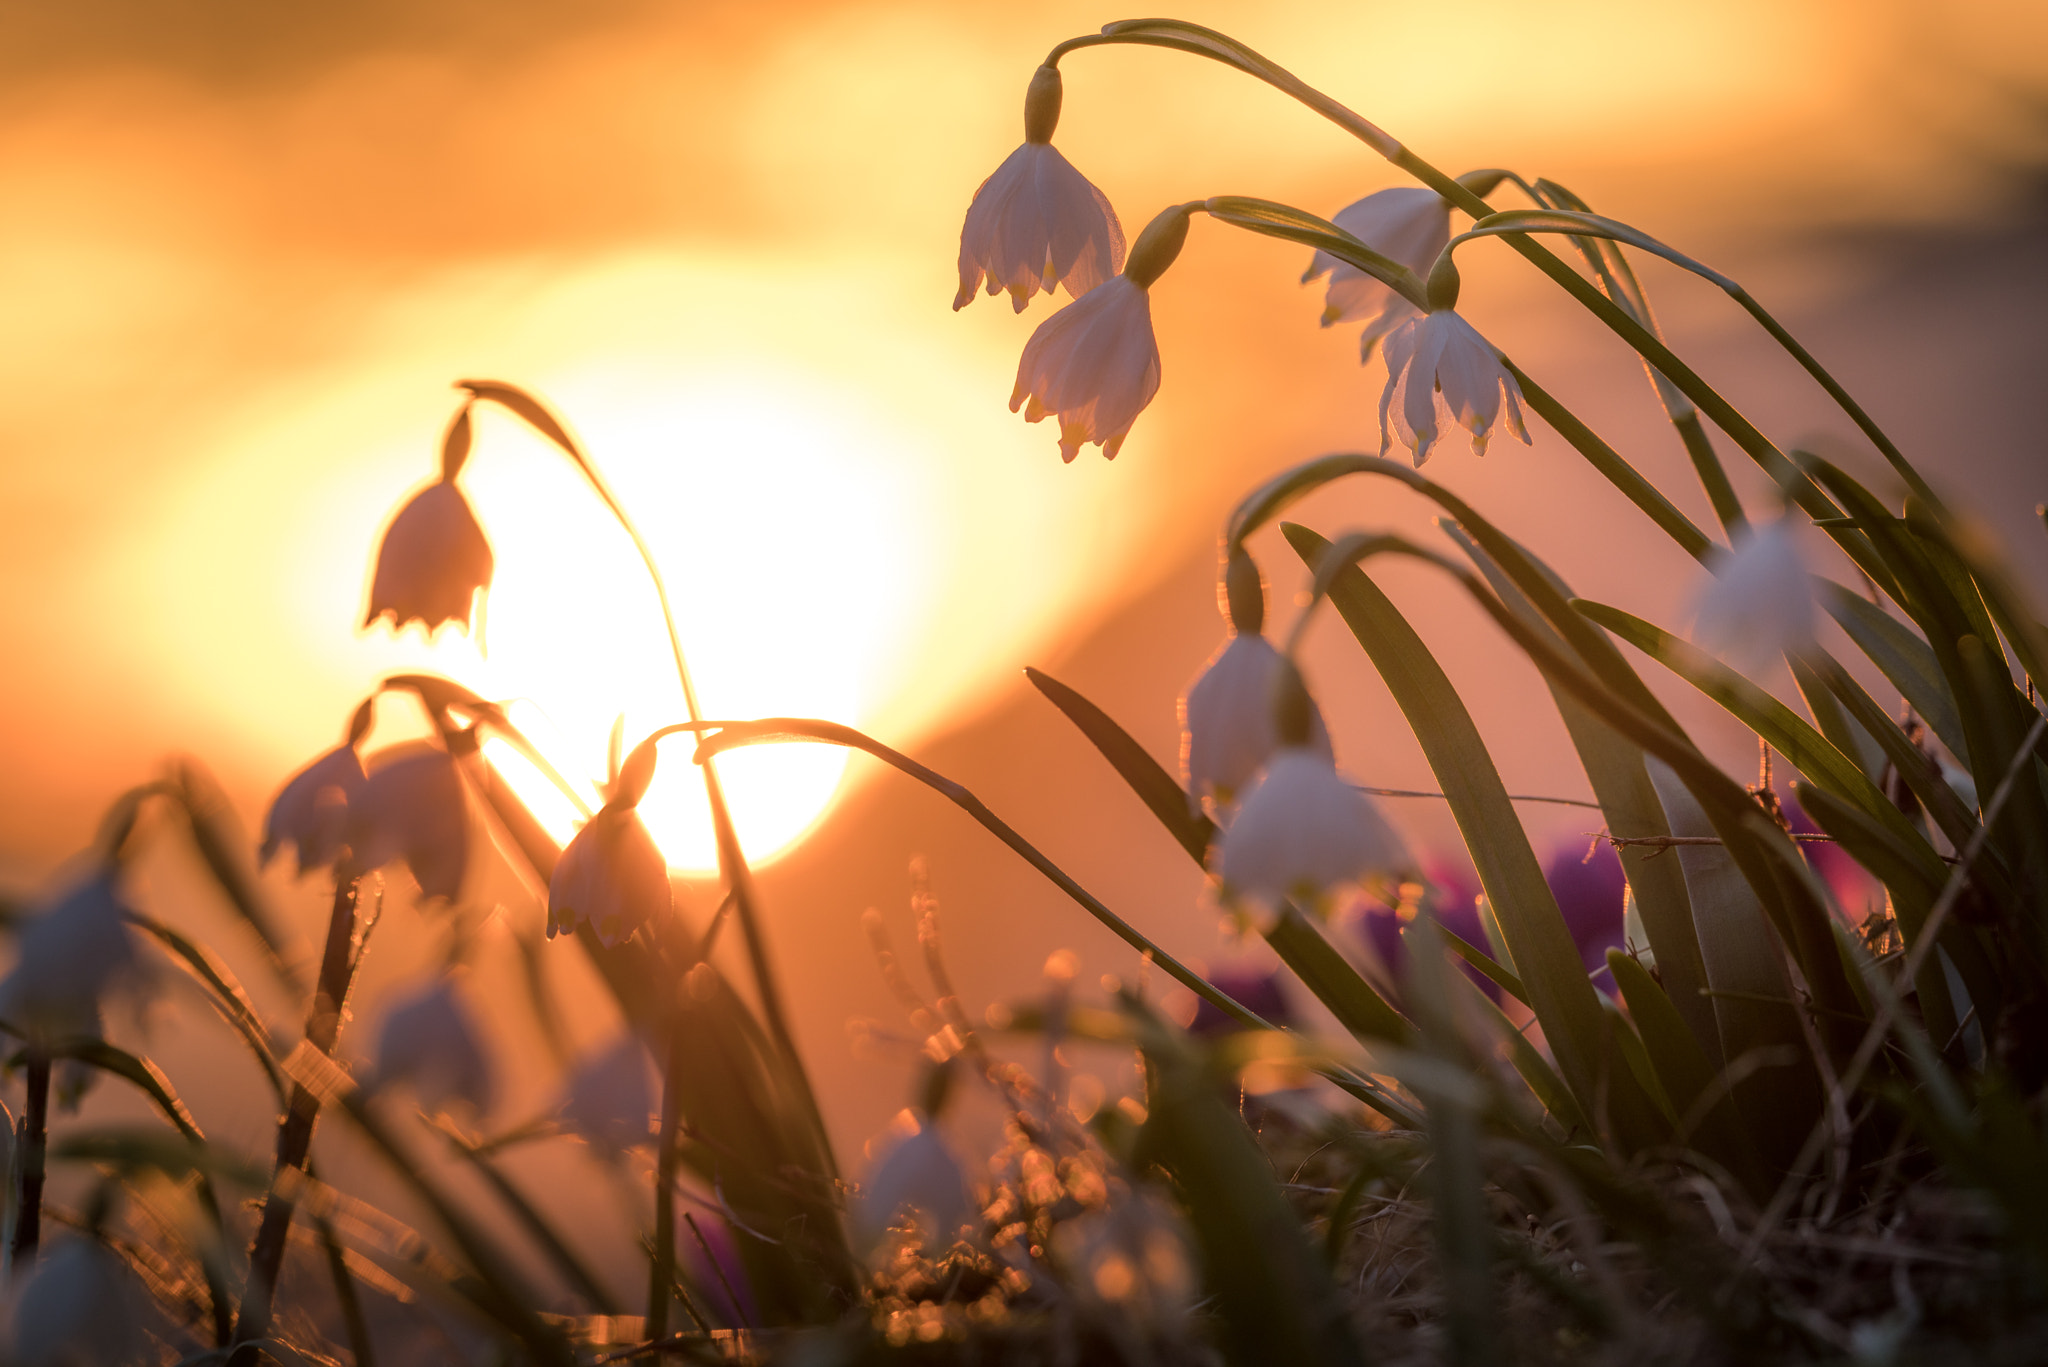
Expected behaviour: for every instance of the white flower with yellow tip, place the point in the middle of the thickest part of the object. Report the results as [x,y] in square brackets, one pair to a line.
[1438,366]
[1037,222]
[1408,224]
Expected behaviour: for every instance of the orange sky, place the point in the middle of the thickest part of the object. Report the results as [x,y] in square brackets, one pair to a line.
[243,254]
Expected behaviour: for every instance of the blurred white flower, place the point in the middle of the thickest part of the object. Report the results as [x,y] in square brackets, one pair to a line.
[430,1042]
[1760,602]
[80,1307]
[1228,731]
[920,1174]
[610,1099]
[1439,365]
[1094,364]
[71,959]
[612,875]
[1037,222]
[1302,830]
[433,562]
[311,812]
[412,806]
[1408,224]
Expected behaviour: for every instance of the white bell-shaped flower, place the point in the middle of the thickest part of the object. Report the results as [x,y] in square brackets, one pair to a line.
[430,1042]
[1094,365]
[1301,830]
[412,807]
[918,1174]
[71,959]
[311,812]
[80,1306]
[1037,222]
[1408,224]
[610,1099]
[1438,365]
[433,562]
[1760,602]
[612,875]
[1228,730]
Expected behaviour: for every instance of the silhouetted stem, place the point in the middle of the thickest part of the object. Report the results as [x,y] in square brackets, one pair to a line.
[295,1130]
[662,1273]
[732,860]
[35,1139]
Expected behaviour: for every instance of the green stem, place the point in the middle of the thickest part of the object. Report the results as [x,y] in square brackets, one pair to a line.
[732,859]
[34,1147]
[1215,46]
[662,1273]
[773,730]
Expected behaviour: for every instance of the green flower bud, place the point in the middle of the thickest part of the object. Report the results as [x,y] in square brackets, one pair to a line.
[1157,247]
[1244,593]
[1042,104]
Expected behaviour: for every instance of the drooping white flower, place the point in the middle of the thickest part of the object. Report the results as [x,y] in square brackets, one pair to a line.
[430,1042]
[1094,364]
[1228,730]
[433,562]
[1037,222]
[1438,365]
[1301,830]
[412,806]
[311,812]
[71,959]
[612,875]
[610,1099]
[1760,602]
[919,1174]
[80,1307]
[1408,224]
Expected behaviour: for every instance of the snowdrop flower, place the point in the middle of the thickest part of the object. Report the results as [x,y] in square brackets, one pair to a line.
[430,1042]
[433,562]
[1095,363]
[311,813]
[1227,727]
[72,957]
[1760,603]
[1438,364]
[612,874]
[1407,224]
[921,1173]
[411,805]
[1037,222]
[1302,830]
[80,1307]
[610,1100]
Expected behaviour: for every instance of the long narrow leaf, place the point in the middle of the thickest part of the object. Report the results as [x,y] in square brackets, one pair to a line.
[1544,953]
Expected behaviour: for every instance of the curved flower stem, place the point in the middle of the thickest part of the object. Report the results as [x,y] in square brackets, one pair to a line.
[718,736]
[33,1146]
[1208,43]
[732,859]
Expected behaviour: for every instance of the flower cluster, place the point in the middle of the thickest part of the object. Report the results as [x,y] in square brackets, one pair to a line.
[1255,748]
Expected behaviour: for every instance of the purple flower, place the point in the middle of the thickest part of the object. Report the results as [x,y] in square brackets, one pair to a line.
[412,806]
[1037,222]
[433,562]
[430,1042]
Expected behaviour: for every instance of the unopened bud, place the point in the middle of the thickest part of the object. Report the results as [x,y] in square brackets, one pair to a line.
[1244,593]
[455,445]
[1293,710]
[634,776]
[1157,247]
[1042,104]
[1440,291]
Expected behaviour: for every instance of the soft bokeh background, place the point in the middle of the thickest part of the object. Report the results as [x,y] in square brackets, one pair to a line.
[245,249]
